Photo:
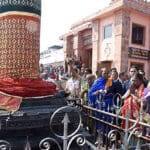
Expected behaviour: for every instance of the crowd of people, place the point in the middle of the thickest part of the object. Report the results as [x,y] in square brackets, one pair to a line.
[98,90]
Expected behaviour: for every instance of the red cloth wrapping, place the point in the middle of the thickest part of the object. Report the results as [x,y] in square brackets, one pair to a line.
[27,87]
[9,103]
[13,90]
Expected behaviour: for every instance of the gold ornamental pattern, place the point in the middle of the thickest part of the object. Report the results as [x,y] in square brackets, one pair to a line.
[19,46]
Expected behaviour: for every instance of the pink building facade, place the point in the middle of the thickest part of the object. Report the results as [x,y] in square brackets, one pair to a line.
[117,36]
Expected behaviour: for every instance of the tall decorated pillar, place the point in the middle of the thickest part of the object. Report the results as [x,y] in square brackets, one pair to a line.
[19,50]
[19,38]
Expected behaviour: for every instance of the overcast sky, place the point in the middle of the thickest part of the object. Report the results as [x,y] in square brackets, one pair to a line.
[58,16]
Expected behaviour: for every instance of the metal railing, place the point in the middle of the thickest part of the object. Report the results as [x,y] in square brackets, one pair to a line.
[129,134]
[67,137]
[118,138]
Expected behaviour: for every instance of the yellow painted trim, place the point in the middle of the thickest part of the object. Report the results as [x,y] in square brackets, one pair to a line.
[19,13]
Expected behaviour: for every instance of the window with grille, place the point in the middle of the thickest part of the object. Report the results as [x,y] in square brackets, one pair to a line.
[138,32]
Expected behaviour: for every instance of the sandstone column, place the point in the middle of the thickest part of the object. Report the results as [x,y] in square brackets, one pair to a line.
[95,48]
[122,32]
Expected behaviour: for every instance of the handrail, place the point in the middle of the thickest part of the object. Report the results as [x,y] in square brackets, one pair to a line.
[114,115]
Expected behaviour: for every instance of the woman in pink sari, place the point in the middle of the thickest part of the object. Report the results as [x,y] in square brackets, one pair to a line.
[132,99]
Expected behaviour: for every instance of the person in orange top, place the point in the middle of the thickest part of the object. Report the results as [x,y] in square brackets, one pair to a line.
[132,99]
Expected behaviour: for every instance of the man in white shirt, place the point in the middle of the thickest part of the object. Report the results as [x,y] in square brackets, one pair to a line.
[73,84]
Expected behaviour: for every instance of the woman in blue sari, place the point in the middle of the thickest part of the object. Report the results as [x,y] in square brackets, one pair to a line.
[100,97]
